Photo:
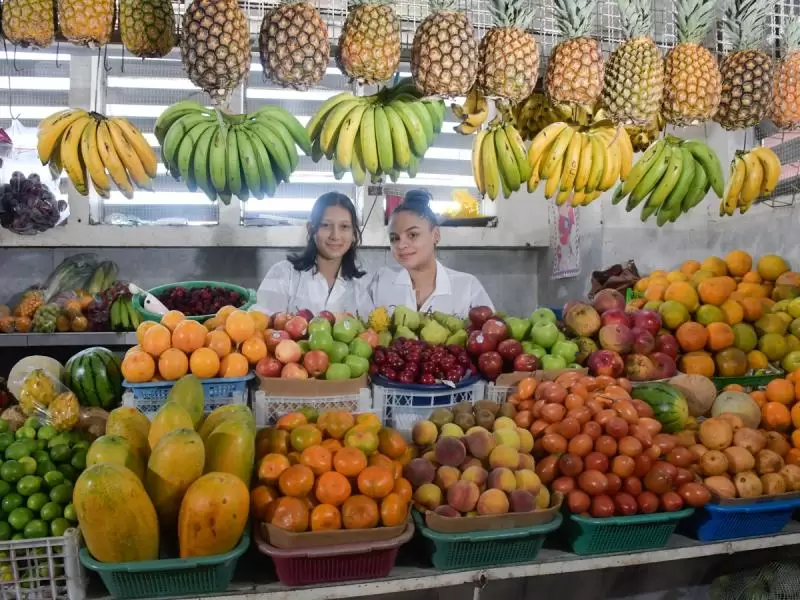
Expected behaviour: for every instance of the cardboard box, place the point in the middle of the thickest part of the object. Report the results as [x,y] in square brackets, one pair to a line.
[310,388]
[512,379]
[442,524]
[287,540]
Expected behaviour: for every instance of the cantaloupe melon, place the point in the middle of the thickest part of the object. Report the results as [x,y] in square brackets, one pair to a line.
[699,391]
[740,404]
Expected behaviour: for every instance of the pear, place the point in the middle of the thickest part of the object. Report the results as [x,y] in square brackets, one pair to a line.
[404,332]
[405,317]
[459,338]
[434,333]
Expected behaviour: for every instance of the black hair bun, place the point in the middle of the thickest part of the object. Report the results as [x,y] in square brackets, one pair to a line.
[419,198]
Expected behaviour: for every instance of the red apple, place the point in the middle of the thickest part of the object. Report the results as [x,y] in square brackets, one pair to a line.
[478,343]
[643,341]
[315,362]
[605,362]
[280,319]
[273,337]
[647,319]
[496,329]
[606,300]
[509,349]
[667,344]
[665,365]
[617,338]
[328,315]
[294,371]
[615,316]
[297,327]
[288,352]
[490,364]
[526,362]
[269,366]
[305,313]
[478,315]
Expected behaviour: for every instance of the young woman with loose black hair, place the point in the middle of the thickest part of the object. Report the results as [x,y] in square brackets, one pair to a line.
[325,274]
[423,283]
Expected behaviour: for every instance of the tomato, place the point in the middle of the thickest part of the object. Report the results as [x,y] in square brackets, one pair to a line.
[578,501]
[643,464]
[602,506]
[595,461]
[623,466]
[570,465]
[580,445]
[694,494]
[630,446]
[546,469]
[569,427]
[632,485]
[614,483]
[684,476]
[606,445]
[625,504]
[671,502]
[658,481]
[616,427]
[593,482]
[593,429]
[680,457]
[554,443]
[648,503]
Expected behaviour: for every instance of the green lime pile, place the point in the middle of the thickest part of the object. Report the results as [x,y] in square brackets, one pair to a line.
[38,469]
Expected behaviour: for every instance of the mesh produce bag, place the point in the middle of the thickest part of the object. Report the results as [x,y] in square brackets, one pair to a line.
[776,581]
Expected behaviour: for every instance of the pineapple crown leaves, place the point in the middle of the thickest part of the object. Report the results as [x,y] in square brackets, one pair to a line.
[355,3]
[791,36]
[443,5]
[637,18]
[574,18]
[513,13]
[693,19]
[744,22]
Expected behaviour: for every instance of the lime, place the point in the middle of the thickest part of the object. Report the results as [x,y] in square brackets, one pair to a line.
[28,464]
[31,445]
[47,433]
[20,517]
[62,493]
[50,511]
[37,501]
[11,471]
[4,488]
[36,529]
[6,439]
[5,531]
[70,514]
[18,536]
[68,471]
[41,445]
[40,456]
[16,451]
[11,501]
[59,526]
[45,467]
[79,460]
[33,423]
[59,440]
[4,426]
[53,478]
[61,453]
[25,432]
[29,485]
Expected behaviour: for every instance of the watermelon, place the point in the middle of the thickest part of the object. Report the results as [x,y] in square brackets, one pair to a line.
[95,376]
[668,404]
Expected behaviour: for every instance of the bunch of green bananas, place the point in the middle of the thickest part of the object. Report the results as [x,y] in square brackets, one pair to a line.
[230,155]
[123,316]
[673,175]
[754,174]
[91,146]
[499,161]
[381,134]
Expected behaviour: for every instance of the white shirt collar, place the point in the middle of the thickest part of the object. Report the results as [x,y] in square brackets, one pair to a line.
[443,286]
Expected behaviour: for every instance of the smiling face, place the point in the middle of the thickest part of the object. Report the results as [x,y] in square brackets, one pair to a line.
[413,239]
[335,234]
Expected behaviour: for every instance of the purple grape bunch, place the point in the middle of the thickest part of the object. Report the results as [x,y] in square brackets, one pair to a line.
[200,301]
[27,206]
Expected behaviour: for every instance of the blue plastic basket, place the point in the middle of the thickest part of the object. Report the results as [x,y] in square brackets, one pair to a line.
[149,397]
[716,522]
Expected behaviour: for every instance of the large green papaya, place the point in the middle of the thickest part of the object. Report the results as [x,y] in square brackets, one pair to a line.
[231,449]
[188,392]
[169,417]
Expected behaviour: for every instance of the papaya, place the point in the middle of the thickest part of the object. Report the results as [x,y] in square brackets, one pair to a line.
[117,519]
[188,392]
[225,413]
[169,417]
[213,515]
[131,424]
[231,449]
[175,463]
[116,450]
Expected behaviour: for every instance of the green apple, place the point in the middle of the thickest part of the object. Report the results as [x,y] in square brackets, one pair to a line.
[384,339]
[794,308]
[518,327]
[321,340]
[550,362]
[319,324]
[358,365]
[543,315]
[338,351]
[535,349]
[574,366]
[566,350]
[304,346]
[544,334]
[345,330]
[361,348]
[337,371]
[791,361]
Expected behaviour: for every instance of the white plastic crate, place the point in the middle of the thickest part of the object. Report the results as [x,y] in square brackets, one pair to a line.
[42,569]
[268,409]
[497,393]
[400,408]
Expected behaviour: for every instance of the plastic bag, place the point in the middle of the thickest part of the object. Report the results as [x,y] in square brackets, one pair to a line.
[46,398]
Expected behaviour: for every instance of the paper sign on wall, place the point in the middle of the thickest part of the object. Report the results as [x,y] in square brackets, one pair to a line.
[565,240]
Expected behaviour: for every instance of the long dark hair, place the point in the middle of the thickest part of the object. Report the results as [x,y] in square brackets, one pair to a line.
[307,259]
[418,201]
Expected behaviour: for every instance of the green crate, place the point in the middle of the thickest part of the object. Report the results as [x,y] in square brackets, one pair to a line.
[478,549]
[588,535]
[138,299]
[747,381]
[169,576]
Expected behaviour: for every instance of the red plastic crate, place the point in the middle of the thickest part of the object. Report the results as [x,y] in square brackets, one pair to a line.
[310,566]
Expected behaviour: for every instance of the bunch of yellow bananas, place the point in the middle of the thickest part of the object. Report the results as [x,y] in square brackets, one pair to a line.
[579,163]
[103,149]
[499,161]
[473,113]
[754,175]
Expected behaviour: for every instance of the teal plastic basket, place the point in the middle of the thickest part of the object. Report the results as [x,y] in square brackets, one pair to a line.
[478,549]
[169,576]
[248,294]
[589,535]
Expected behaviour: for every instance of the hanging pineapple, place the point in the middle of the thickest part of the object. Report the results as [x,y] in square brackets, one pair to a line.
[444,54]
[147,27]
[215,46]
[785,108]
[633,85]
[86,22]
[369,47]
[294,45]
[29,22]
[508,55]
[747,71]
[693,82]
[575,71]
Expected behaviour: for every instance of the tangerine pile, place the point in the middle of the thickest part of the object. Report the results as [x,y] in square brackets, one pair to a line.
[223,347]
[332,471]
